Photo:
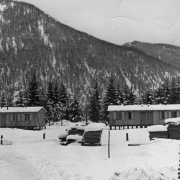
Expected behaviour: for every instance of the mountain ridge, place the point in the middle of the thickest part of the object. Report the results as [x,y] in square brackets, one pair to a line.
[31,39]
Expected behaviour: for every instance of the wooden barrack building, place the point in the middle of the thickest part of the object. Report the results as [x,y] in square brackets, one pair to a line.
[22,117]
[141,115]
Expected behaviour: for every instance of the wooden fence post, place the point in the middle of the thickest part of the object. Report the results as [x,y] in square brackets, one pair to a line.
[127,137]
[109,144]
[179,166]
[1,139]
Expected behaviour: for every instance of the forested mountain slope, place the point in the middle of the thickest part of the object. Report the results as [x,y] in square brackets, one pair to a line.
[30,39]
[167,53]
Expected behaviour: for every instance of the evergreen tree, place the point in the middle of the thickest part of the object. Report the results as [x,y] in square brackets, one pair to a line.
[63,101]
[148,97]
[119,96]
[56,93]
[3,100]
[128,96]
[75,111]
[95,104]
[50,94]
[178,89]
[20,102]
[63,95]
[33,91]
[132,97]
[165,92]
[9,100]
[174,95]
[110,98]
[158,96]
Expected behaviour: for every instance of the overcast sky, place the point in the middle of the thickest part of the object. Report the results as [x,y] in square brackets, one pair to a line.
[119,21]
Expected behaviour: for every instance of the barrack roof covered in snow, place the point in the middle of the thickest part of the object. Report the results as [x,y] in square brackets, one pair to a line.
[20,109]
[158,107]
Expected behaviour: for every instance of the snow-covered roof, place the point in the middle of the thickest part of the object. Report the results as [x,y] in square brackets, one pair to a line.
[143,107]
[19,109]
[94,127]
[172,120]
[157,128]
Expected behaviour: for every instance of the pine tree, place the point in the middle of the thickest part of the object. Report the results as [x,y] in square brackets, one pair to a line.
[3,100]
[56,93]
[110,98]
[119,96]
[148,97]
[132,97]
[174,95]
[165,92]
[63,95]
[9,100]
[158,96]
[50,94]
[95,104]
[178,89]
[20,102]
[128,96]
[33,91]
[63,101]
[75,111]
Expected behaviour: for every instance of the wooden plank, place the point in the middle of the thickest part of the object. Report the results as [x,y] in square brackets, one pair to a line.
[91,140]
[91,136]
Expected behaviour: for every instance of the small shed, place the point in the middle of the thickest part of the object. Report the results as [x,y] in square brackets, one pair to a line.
[141,115]
[158,131]
[173,127]
[22,117]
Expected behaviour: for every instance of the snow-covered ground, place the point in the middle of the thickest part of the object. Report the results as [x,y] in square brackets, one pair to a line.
[31,157]
[118,21]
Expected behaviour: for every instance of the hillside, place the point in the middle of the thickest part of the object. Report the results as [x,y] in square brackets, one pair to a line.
[31,39]
[167,53]
[118,21]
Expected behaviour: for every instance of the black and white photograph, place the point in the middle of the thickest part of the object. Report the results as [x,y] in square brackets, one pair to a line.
[89,89]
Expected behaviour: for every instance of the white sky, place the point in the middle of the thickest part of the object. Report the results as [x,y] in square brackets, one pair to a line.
[119,21]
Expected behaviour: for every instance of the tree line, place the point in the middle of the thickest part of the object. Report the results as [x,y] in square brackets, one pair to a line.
[59,104]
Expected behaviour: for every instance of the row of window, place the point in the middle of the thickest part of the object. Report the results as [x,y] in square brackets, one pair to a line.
[130,115]
[165,114]
[120,115]
[15,117]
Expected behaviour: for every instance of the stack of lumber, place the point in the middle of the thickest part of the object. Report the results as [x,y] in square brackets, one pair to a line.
[161,134]
[92,134]
[76,130]
[92,137]
[174,131]
[73,134]
[158,131]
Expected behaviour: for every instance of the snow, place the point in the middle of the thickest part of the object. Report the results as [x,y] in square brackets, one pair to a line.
[118,21]
[20,109]
[63,134]
[157,128]
[172,120]
[143,107]
[74,137]
[94,127]
[79,126]
[31,157]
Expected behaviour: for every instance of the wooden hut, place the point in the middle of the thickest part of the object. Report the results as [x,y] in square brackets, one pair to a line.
[22,117]
[173,127]
[141,115]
